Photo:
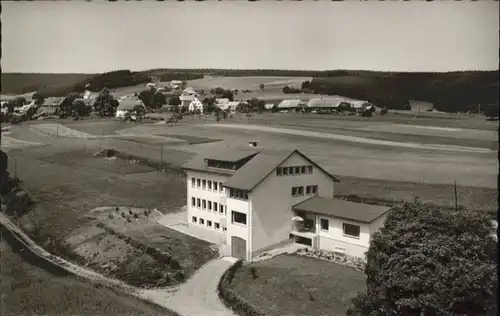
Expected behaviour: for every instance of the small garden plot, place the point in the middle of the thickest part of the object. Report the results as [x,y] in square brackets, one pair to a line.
[179,253]
[293,285]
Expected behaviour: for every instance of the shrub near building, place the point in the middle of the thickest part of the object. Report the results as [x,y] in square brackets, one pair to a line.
[427,261]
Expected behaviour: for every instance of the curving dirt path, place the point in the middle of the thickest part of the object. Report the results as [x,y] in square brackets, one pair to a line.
[198,296]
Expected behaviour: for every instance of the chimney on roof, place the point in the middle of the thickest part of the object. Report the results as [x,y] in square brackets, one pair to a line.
[252,144]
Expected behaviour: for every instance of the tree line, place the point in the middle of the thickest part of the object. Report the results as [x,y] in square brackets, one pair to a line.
[449,92]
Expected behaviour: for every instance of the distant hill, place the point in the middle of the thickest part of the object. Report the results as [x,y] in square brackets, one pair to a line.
[450,92]
[55,85]
[20,83]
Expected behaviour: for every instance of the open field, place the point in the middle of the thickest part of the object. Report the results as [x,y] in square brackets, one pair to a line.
[286,283]
[63,182]
[30,287]
[250,83]
[376,171]
[67,179]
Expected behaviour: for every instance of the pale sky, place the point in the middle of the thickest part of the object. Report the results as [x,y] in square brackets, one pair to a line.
[89,37]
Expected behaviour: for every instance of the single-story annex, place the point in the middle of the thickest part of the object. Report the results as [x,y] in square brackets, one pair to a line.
[259,198]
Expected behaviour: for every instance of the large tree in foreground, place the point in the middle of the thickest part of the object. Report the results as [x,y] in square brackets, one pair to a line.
[427,261]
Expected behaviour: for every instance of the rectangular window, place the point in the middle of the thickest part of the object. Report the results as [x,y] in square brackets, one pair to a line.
[216,226]
[209,205]
[309,169]
[209,223]
[215,186]
[294,191]
[308,189]
[221,209]
[285,171]
[324,224]
[231,193]
[204,203]
[245,196]
[297,170]
[300,191]
[290,170]
[210,185]
[193,182]
[314,189]
[198,203]
[303,169]
[225,210]
[204,184]
[239,218]
[216,207]
[221,189]
[198,183]
[279,171]
[224,229]
[351,230]
[194,219]
[193,201]
[202,221]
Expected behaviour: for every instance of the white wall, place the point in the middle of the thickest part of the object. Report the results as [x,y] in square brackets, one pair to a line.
[272,202]
[214,196]
[236,229]
[334,237]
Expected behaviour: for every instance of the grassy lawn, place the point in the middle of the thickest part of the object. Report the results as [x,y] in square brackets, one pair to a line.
[66,184]
[283,285]
[28,289]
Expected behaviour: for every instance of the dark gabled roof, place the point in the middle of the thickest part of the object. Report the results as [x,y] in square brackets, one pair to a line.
[257,169]
[252,173]
[198,164]
[365,213]
[262,165]
[230,154]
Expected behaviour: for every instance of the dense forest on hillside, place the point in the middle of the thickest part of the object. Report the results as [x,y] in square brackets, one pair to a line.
[451,92]
[19,83]
[113,79]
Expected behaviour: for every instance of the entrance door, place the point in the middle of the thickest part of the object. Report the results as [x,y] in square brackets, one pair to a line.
[238,248]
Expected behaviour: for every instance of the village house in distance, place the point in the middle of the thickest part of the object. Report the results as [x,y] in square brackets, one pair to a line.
[261,198]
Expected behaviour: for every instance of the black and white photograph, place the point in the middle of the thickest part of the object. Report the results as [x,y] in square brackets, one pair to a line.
[249,158]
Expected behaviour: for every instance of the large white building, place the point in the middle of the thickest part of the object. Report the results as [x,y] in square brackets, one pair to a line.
[260,198]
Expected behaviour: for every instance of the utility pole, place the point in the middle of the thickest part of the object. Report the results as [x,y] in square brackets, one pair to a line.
[456,196]
[161,154]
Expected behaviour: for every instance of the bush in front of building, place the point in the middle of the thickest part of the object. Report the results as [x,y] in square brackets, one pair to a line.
[232,299]
[431,261]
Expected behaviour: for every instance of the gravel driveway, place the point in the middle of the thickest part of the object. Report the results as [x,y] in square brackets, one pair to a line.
[198,296]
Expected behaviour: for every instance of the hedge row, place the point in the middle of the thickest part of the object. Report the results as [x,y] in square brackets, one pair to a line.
[232,299]
[157,254]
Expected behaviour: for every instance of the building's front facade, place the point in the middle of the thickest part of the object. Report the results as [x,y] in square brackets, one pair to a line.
[251,196]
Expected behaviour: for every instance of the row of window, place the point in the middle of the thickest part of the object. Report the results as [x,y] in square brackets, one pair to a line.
[297,170]
[201,222]
[309,190]
[238,194]
[208,205]
[207,185]
[349,230]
